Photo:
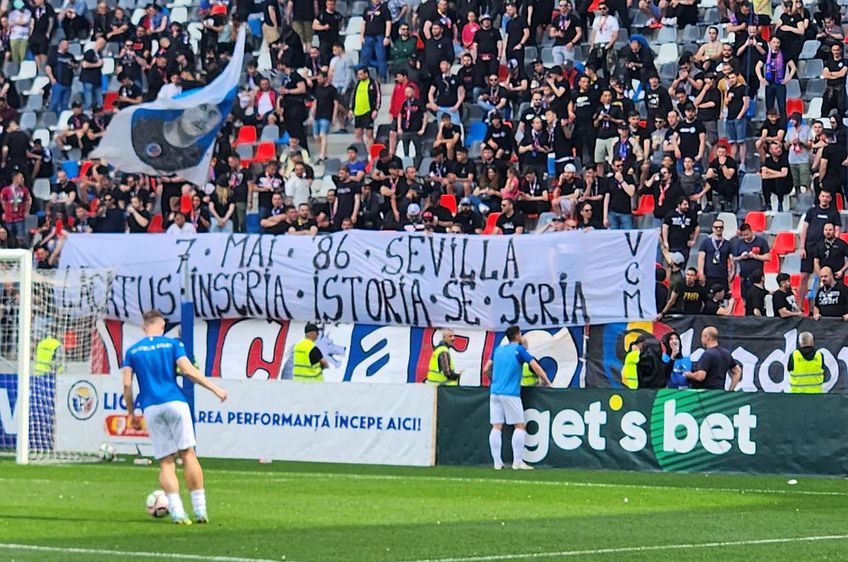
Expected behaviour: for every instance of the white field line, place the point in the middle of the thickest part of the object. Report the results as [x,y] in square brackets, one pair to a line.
[129,554]
[632,549]
[269,476]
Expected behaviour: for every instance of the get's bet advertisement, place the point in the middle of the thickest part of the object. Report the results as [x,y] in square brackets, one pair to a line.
[668,430]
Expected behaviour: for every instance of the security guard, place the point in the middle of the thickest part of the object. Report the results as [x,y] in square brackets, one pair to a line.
[528,377]
[442,369]
[629,372]
[309,362]
[806,367]
[47,357]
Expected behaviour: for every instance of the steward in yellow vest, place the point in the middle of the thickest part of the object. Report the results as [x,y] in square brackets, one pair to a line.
[629,374]
[309,362]
[528,377]
[806,367]
[442,369]
[46,357]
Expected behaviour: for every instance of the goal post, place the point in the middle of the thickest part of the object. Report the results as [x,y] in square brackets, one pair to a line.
[48,330]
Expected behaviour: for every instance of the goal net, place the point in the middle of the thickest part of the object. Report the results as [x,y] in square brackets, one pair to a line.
[48,329]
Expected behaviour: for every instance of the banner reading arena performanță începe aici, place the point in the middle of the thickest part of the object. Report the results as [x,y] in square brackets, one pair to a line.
[382,278]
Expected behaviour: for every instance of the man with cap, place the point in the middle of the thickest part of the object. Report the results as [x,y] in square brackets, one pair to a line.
[309,362]
[486,47]
[567,192]
[413,222]
[468,220]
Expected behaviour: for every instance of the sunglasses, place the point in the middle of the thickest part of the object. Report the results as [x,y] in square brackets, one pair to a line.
[718,227]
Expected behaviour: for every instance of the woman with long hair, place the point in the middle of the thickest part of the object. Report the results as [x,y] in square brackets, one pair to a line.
[675,362]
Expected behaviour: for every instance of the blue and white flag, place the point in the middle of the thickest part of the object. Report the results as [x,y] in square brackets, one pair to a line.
[174,136]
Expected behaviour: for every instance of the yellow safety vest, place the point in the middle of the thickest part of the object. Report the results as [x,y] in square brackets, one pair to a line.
[361,102]
[304,370]
[629,376]
[807,377]
[528,377]
[435,374]
[45,353]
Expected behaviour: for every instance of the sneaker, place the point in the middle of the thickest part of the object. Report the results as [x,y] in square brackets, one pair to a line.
[201,519]
[498,466]
[341,131]
[522,466]
[182,520]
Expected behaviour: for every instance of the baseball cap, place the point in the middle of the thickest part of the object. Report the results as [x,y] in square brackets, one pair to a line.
[485,17]
[310,327]
[570,168]
[427,215]
[677,258]
[413,209]
[513,63]
[465,201]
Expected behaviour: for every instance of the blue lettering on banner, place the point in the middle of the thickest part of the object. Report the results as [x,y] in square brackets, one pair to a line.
[317,422]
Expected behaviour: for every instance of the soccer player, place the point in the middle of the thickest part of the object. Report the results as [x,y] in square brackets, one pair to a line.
[153,361]
[505,400]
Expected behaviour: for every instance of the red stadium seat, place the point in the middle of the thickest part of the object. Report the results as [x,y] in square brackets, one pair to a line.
[264,152]
[448,202]
[756,220]
[840,202]
[155,226]
[773,265]
[646,205]
[109,100]
[784,243]
[844,236]
[793,105]
[375,149]
[246,135]
[86,166]
[492,223]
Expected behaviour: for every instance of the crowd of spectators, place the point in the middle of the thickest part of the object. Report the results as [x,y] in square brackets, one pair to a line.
[473,117]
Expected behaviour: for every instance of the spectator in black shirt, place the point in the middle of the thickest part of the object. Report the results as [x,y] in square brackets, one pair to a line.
[138,218]
[831,172]
[717,303]
[110,218]
[680,229]
[812,232]
[499,137]
[325,106]
[436,49]
[666,191]
[776,177]
[517,35]
[772,130]
[755,298]
[714,264]
[91,75]
[469,221]
[347,202]
[129,93]
[784,303]
[712,368]
[835,71]
[487,46]
[510,221]
[618,198]
[831,252]
[750,252]
[723,177]
[43,24]
[60,71]
[327,24]
[832,297]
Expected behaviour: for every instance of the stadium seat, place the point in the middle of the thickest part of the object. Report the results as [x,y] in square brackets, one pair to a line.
[784,243]
[476,132]
[71,168]
[793,105]
[840,203]
[814,109]
[37,86]
[155,226]
[814,89]
[246,135]
[28,120]
[667,53]
[41,188]
[791,263]
[811,69]
[756,220]
[781,222]
[844,236]
[27,71]
[109,100]
[43,135]
[793,90]
[270,133]
[374,152]
[62,122]
[667,36]
[645,207]
[491,223]
[424,167]
[265,151]
[84,168]
[108,66]
[810,49]
[449,202]
[773,265]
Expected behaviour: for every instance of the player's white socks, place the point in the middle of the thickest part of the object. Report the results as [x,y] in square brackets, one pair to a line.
[175,506]
[495,446]
[518,437]
[198,501]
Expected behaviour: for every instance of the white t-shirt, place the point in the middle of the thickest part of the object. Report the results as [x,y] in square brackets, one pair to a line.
[175,230]
[604,27]
[298,189]
[19,20]
[798,154]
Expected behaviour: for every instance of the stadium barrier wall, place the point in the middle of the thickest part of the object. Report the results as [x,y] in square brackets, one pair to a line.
[665,430]
[762,347]
[296,421]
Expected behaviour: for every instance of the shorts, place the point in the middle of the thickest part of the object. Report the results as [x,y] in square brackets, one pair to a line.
[737,130]
[363,121]
[170,428]
[603,148]
[807,263]
[343,98]
[38,45]
[505,409]
[321,127]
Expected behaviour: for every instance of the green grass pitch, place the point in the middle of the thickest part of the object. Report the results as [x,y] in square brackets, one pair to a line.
[316,512]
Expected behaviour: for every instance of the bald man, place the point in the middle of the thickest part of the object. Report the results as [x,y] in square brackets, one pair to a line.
[714,365]
[832,297]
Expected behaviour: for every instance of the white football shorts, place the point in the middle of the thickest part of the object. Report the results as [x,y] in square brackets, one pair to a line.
[505,409]
[170,428]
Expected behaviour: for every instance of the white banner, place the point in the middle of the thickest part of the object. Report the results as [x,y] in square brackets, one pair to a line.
[174,135]
[362,424]
[90,411]
[383,278]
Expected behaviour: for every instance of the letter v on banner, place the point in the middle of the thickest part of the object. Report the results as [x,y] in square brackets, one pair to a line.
[177,135]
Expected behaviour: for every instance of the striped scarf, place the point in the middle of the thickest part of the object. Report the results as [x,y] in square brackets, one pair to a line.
[775,68]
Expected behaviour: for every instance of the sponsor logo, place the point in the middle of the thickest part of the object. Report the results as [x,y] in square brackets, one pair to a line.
[82,400]
[685,430]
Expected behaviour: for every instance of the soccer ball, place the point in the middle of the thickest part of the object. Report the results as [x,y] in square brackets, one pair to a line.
[157,503]
[106,453]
